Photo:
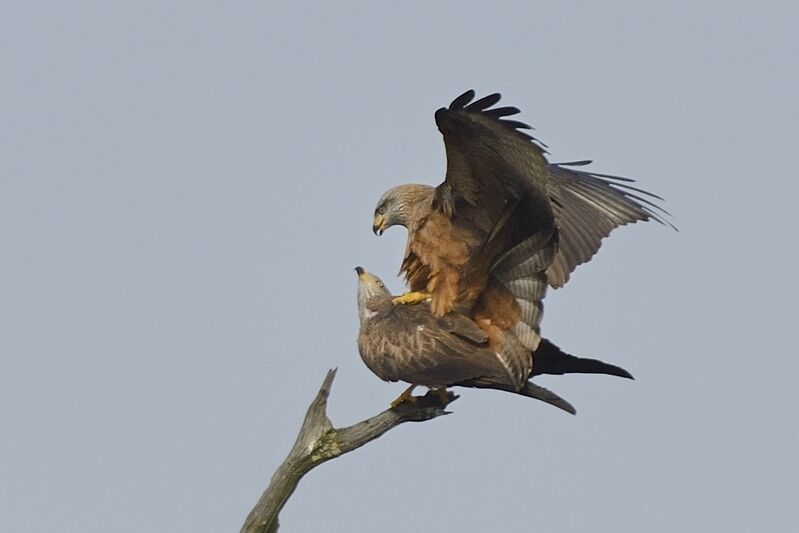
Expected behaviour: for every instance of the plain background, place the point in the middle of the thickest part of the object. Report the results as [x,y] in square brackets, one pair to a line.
[185,189]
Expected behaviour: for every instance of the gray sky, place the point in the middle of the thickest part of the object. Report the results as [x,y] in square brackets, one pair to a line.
[185,190]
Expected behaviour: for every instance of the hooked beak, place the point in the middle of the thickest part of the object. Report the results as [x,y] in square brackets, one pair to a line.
[365,278]
[378,227]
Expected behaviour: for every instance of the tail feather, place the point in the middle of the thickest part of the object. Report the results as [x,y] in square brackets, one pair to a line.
[549,359]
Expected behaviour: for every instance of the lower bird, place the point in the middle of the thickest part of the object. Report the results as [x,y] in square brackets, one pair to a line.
[410,344]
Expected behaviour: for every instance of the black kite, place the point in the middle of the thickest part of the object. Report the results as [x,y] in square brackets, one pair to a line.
[471,238]
[409,343]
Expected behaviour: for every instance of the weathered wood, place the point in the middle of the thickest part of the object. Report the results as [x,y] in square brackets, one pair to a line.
[318,441]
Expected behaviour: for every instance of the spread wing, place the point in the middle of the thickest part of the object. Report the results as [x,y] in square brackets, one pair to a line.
[498,178]
[504,212]
[494,197]
[492,166]
[588,206]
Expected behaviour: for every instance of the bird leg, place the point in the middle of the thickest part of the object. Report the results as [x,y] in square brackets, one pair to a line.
[441,395]
[404,397]
[411,298]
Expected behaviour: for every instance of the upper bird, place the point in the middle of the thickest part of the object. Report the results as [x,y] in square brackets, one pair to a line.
[501,202]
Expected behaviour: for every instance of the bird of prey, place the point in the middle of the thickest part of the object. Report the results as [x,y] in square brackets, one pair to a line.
[410,343]
[471,238]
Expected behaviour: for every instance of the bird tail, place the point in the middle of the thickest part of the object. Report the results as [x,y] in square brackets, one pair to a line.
[549,359]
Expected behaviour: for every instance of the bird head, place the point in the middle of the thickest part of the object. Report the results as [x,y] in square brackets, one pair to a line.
[396,206]
[370,287]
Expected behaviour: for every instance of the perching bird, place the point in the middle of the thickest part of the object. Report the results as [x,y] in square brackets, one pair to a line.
[501,202]
[409,343]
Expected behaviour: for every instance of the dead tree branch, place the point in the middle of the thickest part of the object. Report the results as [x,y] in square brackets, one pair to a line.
[319,441]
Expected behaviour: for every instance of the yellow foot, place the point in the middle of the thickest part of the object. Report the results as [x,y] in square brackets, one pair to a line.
[411,298]
[404,397]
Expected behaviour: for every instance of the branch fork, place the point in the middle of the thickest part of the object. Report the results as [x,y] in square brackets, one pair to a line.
[319,441]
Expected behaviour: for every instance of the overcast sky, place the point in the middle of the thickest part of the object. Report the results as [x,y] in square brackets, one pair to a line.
[186,188]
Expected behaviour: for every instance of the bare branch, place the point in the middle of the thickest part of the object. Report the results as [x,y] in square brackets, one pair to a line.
[318,441]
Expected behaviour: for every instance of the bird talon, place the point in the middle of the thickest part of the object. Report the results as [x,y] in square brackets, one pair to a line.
[411,298]
[404,397]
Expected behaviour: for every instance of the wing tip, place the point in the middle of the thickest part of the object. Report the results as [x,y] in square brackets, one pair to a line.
[538,392]
[644,201]
[483,106]
[461,101]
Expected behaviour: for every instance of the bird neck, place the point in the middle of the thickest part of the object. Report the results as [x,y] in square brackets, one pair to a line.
[417,200]
[370,306]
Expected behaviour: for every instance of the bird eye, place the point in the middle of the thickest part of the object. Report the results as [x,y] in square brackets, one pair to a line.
[380,284]
[381,210]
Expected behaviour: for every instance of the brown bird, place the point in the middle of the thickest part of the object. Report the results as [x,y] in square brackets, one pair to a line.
[471,238]
[411,344]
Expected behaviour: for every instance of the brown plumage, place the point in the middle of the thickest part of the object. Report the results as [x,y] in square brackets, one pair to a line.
[411,344]
[471,240]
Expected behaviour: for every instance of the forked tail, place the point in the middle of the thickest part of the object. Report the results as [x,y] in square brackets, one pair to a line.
[549,359]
